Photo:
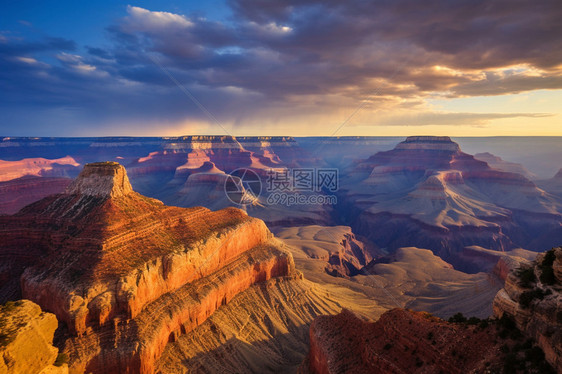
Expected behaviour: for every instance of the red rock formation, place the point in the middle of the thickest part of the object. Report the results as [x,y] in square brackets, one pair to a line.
[38,167]
[401,341]
[105,259]
[499,263]
[26,337]
[427,193]
[350,259]
[500,164]
[17,193]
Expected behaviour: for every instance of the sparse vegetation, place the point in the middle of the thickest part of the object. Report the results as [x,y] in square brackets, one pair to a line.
[5,339]
[458,318]
[473,321]
[62,359]
[547,272]
[484,323]
[526,275]
[528,297]
[520,356]
[525,358]
[507,329]
[5,336]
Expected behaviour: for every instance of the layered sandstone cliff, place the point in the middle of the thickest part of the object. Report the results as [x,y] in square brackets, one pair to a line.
[532,297]
[26,337]
[122,270]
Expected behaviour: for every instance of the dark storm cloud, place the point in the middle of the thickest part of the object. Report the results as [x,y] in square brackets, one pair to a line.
[285,55]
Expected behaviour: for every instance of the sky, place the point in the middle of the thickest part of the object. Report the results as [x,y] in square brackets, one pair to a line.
[286,67]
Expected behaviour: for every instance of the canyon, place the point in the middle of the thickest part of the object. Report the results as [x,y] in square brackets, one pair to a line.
[78,256]
[524,336]
[149,267]
[427,193]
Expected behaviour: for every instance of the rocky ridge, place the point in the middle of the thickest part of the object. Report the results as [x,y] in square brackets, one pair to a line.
[427,193]
[401,341]
[532,297]
[38,166]
[17,193]
[107,261]
[26,337]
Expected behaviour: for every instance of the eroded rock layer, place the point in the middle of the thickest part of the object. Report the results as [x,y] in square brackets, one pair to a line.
[401,341]
[173,314]
[120,269]
[427,193]
[26,337]
[532,297]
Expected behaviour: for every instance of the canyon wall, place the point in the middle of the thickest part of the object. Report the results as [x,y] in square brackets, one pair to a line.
[26,338]
[122,270]
[401,341]
[532,297]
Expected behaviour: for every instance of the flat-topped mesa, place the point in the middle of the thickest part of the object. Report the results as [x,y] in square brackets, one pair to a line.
[203,142]
[102,255]
[101,179]
[431,143]
[421,153]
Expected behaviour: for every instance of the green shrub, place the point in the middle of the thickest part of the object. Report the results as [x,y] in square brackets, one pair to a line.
[549,258]
[526,276]
[458,318]
[547,273]
[473,321]
[62,359]
[484,323]
[547,276]
[527,297]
